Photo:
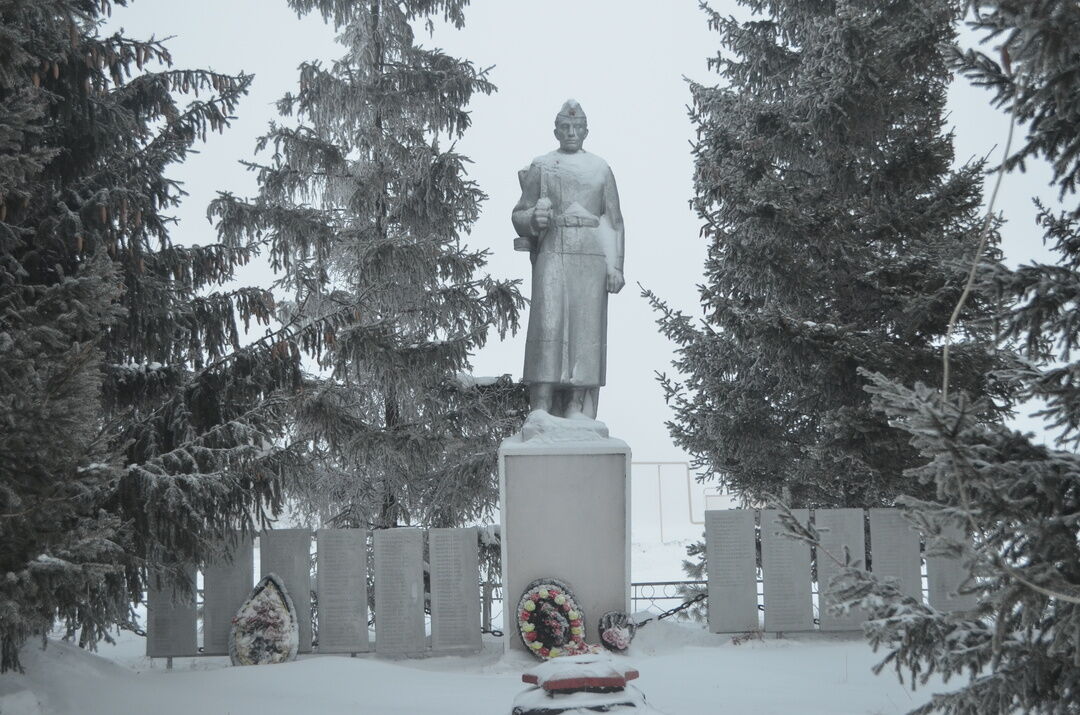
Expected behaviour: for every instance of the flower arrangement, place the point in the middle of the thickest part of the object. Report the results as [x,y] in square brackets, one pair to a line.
[550,621]
[264,629]
[616,631]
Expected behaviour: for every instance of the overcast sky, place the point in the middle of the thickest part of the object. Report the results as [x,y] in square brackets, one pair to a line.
[625,61]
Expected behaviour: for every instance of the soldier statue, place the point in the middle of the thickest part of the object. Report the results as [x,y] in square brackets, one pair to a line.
[569,220]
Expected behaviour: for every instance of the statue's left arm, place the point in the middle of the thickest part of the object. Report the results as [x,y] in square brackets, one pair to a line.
[530,193]
[613,214]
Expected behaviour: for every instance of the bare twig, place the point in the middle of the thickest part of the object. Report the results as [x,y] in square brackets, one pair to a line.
[984,234]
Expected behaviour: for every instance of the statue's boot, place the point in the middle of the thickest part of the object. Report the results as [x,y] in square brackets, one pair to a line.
[541,395]
[579,406]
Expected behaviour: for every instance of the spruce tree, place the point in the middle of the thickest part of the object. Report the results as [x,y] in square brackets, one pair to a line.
[1016,501]
[364,209]
[838,238]
[136,431]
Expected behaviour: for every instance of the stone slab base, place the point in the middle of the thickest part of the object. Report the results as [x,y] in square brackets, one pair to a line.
[565,512]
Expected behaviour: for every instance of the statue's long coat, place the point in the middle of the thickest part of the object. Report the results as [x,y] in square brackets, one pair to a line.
[567,338]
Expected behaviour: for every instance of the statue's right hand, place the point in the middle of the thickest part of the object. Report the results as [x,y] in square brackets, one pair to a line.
[541,216]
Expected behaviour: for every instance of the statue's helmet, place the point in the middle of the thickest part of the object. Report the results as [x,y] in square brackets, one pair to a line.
[571,110]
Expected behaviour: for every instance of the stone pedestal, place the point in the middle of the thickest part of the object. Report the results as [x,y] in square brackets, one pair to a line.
[565,509]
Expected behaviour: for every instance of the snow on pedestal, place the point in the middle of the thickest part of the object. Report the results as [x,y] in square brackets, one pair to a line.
[543,428]
[265,628]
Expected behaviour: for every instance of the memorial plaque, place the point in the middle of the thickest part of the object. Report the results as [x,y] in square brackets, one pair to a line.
[944,574]
[399,591]
[894,550]
[170,621]
[838,528]
[732,568]
[455,590]
[341,580]
[786,566]
[287,553]
[226,585]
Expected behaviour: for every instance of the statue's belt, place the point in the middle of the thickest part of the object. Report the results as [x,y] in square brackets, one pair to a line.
[576,221]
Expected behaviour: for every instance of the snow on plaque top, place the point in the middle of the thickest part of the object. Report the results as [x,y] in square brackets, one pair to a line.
[593,672]
[581,685]
[265,629]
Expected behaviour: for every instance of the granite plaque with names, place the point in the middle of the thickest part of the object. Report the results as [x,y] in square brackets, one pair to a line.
[894,550]
[838,528]
[226,585]
[341,582]
[455,590]
[170,621]
[731,553]
[287,553]
[399,592]
[944,574]
[785,564]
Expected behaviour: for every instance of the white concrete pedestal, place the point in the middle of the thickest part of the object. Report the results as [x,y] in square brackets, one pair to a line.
[565,514]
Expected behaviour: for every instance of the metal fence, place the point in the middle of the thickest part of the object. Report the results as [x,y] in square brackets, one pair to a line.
[659,596]
[645,596]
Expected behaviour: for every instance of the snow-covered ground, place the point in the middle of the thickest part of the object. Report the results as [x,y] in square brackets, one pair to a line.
[684,671]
